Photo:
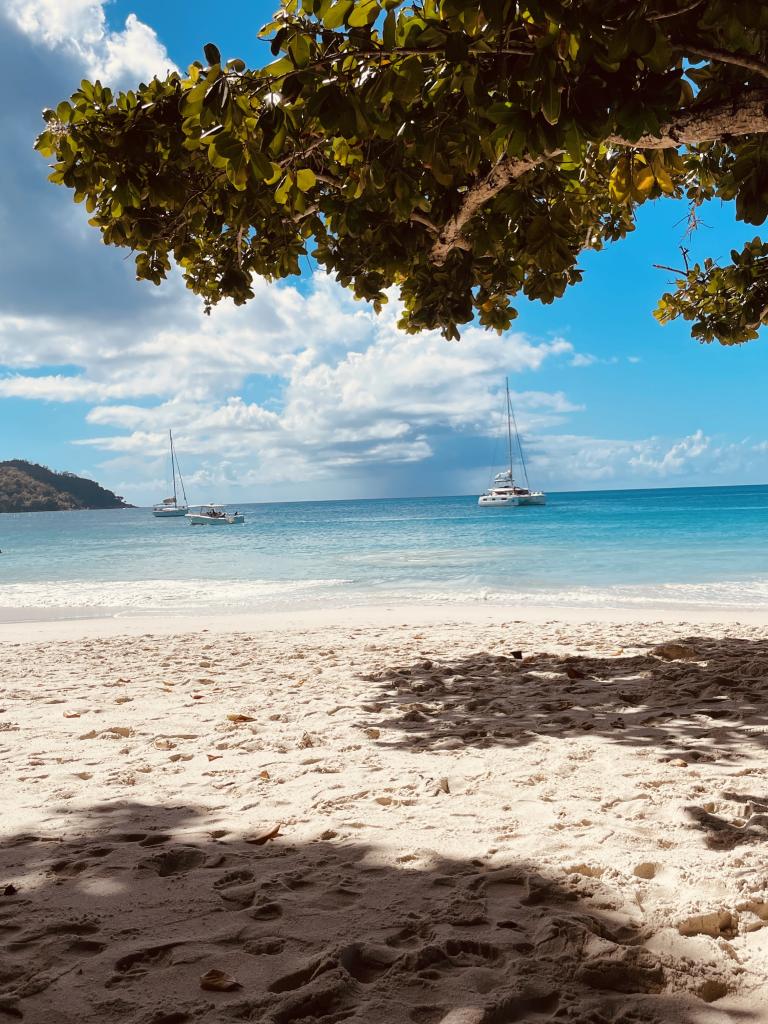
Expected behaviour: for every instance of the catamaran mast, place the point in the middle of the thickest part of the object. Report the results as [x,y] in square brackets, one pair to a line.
[509,431]
[520,449]
[173,467]
[176,467]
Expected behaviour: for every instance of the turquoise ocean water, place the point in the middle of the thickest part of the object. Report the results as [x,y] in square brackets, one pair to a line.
[675,548]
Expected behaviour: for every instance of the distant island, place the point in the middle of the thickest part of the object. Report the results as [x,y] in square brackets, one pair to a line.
[27,487]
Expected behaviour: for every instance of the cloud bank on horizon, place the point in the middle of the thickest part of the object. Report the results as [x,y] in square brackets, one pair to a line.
[303,393]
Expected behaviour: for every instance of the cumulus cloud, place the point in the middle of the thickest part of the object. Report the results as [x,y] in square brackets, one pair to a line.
[347,388]
[676,457]
[80,28]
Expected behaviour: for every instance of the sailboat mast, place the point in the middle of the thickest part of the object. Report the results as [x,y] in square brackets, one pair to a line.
[509,431]
[520,449]
[173,466]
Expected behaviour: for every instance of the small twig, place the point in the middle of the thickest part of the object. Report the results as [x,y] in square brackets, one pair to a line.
[673,14]
[305,213]
[673,270]
[327,180]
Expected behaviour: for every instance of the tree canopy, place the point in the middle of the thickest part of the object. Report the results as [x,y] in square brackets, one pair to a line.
[463,152]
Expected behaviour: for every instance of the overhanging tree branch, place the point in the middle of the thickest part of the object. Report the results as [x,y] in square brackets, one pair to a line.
[744,115]
[374,137]
[698,125]
[477,196]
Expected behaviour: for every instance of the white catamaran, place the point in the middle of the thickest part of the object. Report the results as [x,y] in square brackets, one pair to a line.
[504,490]
[170,508]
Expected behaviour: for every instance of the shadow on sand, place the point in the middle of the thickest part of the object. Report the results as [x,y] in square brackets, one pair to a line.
[693,700]
[119,920]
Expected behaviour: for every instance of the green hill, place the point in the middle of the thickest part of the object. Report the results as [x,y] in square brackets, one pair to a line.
[27,487]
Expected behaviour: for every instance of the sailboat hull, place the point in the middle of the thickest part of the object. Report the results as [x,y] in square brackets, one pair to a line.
[532,499]
[169,513]
[498,500]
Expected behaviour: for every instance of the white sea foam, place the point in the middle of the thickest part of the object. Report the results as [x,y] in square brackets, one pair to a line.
[141,595]
[198,594]
[745,595]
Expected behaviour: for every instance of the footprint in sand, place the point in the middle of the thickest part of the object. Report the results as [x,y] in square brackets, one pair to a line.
[361,961]
[266,910]
[237,888]
[523,1007]
[175,861]
[411,936]
[140,962]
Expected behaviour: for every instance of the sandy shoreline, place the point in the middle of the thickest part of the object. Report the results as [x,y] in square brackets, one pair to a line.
[465,836]
[64,624]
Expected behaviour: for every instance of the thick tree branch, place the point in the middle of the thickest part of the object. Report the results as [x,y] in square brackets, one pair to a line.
[746,115]
[476,197]
[708,123]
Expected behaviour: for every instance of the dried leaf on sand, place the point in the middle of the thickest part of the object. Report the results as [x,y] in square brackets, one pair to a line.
[218,981]
[264,837]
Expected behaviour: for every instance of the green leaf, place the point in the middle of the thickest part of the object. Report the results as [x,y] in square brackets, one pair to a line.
[277,171]
[212,54]
[642,37]
[261,166]
[337,13]
[299,50]
[364,14]
[551,102]
[643,180]
[389,32]
[305,179]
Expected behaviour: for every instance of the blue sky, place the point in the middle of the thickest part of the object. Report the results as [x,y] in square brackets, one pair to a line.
[305,393]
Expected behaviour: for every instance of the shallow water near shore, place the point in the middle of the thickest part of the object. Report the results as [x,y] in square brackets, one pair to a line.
[686,548]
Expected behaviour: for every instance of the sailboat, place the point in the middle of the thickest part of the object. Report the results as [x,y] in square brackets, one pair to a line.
[504,490]
[170,508]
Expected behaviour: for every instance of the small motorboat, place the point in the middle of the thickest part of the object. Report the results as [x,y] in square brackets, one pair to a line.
[214,515]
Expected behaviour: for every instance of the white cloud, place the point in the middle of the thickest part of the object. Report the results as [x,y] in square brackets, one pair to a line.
[51,388]
[584,359]
[347,388]
[80,28]
[302,386]
[59,22]
[581,359]
[676,457]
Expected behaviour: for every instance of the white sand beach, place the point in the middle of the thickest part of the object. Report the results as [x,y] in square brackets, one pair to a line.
[384,816]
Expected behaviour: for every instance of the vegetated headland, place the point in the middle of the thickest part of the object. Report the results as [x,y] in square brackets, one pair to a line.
[28,487]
